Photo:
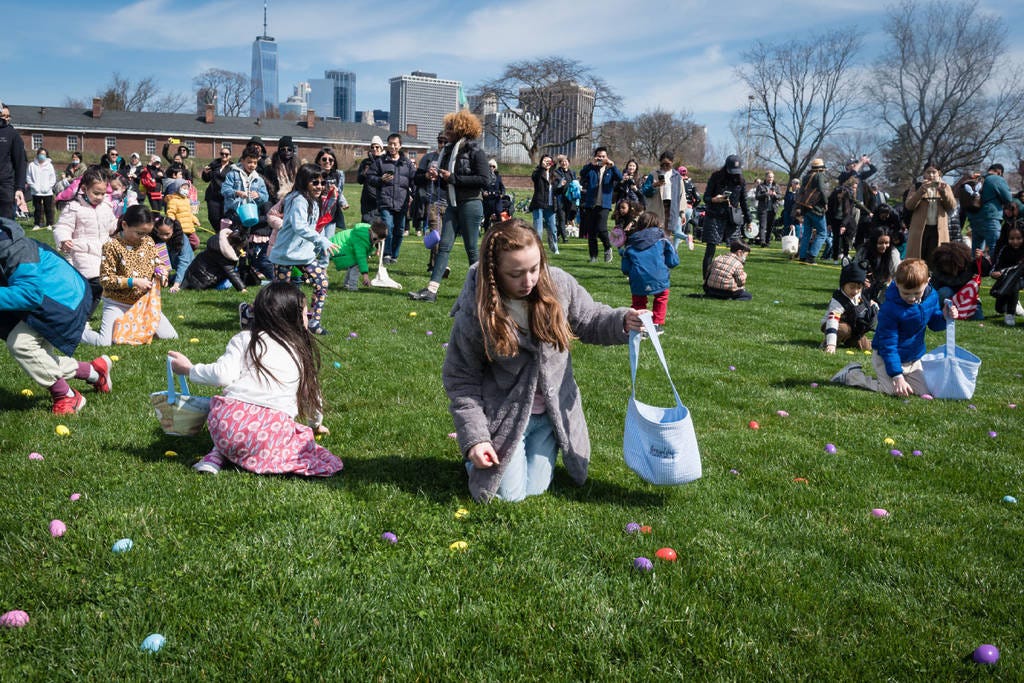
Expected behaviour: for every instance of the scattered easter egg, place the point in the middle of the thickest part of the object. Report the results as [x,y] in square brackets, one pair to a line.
[734,472]
[412,314]
[972,407]
[981,324]
[27,393]
[830,448]
[879,512]
[986,654]
[633,528]
[453,435]
[732,368]
[889,442]
[776,302]
[35,456]
[337,364]
[666,554]
[394,330]
[57,528]
[389,537]
[444,345]
[800,480]
[927,397]
[916,452]
[114,358]
[353,335]
[896,453]
[642,564]
[74,496]
[461,513]
[153,642]
[122,545]
[193,340]
[16,618]
[1010,499]
[646,529]
[782,413]
[170,454]
[430,333]
[993,434]
[753,424]
[867,352]
[849,352]
[1012,406]
[62,430]
[459,546]
[181,317]
[814,385]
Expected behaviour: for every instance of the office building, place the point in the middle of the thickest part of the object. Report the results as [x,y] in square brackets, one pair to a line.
[504,135]
[344,105]
[568,109]
[264,72]
[296,104]
[422,99]
[321,97]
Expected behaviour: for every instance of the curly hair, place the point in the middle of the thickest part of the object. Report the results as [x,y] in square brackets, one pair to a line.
[951,258]
[464,124]
[548,323]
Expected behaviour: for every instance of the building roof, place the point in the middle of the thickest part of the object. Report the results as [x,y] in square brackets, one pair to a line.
[161,126]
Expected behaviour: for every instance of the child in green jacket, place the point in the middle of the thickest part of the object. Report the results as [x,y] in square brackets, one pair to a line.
[355,246]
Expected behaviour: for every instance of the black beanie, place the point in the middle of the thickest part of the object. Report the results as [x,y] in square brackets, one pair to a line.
[853,272]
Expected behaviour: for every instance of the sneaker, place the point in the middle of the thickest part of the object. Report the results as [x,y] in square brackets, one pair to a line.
[389,261]
[447,272]
[317,328]
[1020,309]
[840,377]
[811,260]
[660,329]
[423,295]
[554,251]
[244,315]
[607,255]
[206,466]
[1009,319]
[593,259]
[37,227]
[69,405]
[102,366]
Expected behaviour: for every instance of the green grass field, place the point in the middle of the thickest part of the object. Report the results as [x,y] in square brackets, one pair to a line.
[783,574]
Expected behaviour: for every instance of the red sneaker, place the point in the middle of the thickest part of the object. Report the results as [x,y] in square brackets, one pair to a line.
[68,405]
[102,366]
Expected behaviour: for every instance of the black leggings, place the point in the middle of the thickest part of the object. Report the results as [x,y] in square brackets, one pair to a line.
[43,207]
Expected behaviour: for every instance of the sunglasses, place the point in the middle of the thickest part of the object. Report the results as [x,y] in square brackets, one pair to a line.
[327,159]
[225,154]
[316,183]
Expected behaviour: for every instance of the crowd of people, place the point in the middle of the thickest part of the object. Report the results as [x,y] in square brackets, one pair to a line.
[277,222]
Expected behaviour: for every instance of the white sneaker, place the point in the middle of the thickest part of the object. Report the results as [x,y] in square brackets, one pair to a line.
[206,467]
[840,377]
[1009,320]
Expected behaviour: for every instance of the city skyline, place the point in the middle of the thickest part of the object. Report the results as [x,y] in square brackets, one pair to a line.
[692,69]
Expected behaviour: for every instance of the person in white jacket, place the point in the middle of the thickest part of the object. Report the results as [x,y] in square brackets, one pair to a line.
[40,180]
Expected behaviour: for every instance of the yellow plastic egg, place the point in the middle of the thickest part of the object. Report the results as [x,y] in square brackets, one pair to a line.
[461,512]
[27,393]
[115,358]
[193,340]
[459,545]
[62,430]
[170,454]
[889,442]
[412,314]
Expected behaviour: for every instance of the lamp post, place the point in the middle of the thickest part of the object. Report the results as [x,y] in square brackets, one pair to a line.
[750,106]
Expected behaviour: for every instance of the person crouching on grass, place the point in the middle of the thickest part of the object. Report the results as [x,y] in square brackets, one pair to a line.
[508,372]
[910,306]
[726,278]
[850,316]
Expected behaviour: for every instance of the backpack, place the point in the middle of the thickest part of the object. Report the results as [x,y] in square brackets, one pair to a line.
[970,199]
[808,197]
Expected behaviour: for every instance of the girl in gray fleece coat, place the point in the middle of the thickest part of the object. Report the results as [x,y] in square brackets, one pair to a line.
[508,372]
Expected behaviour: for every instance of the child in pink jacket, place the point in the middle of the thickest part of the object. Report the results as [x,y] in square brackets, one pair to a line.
[84,226]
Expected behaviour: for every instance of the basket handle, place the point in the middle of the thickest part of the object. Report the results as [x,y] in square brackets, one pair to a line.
[634,352]
[172,394]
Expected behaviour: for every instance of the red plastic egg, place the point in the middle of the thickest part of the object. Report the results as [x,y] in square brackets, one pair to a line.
[666,554]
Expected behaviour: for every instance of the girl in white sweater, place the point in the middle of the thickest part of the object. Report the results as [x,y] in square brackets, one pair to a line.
[269,375]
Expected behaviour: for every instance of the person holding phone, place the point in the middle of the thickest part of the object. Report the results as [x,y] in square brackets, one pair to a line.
[930,205]
[727,211]
[667,188]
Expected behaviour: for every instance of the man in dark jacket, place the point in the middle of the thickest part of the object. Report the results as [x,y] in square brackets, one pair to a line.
[726,199]
[392,176]
[214,173]
[13,165]
[368,197]
[44,303]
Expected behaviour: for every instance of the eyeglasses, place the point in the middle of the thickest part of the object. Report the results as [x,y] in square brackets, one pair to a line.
[316,183]
[225,154]
[327,159]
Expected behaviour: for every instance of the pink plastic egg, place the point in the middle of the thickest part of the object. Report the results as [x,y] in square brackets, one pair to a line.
[57,528]
[16,618]
[35,456]
[753,424]
[74,496]
[880,512]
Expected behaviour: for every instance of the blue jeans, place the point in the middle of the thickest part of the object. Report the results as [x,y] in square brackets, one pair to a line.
[812,222]
[531,465]
[984,233]
[395,220]
[464,220]
[323,258]
[545,218]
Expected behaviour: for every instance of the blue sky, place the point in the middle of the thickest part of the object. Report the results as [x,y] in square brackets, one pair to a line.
[674,54]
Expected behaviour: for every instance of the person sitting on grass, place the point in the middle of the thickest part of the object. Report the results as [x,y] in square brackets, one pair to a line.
[726,277]
[217,263]
[269,374]
[508,371]
[910,306]
[850,316]
[354,248]
[44,303]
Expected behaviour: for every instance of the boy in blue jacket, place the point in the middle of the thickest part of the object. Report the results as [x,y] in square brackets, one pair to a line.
[910,306]
[647,258]
[44,304]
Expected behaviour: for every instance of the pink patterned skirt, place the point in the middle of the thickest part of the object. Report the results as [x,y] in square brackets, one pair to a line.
[266,441]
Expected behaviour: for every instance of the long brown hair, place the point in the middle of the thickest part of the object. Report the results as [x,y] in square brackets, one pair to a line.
[278,314]
[547,319]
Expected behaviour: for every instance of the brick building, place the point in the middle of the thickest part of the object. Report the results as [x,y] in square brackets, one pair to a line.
[62,131]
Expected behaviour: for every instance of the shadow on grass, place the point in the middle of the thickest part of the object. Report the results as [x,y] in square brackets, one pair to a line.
[15,401]
[600,491]
[436,478]
[809,343]
[804,383]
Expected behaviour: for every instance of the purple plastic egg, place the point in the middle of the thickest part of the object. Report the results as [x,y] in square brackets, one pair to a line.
[896,453]
[814,385]
[972,407]
[830,448]
[389,537]
[927,397]
[734,472]
[633,528]
[352,335]
[430,333]
[16,618]
[1012,406]
[916,452]
[782,413]
[986,654]
[993,434]
[74,496]
[732,368]
[642,564]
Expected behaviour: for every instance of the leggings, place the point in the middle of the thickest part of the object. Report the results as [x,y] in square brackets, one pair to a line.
[314,274]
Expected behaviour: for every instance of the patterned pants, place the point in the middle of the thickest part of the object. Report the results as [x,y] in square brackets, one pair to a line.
[265,441]
[313,274]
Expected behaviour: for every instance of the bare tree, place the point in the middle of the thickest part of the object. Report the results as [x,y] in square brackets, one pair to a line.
[554,100]
[803,92]
[74,103]
[234,90]
[852,144]
[659,131]
[121,94]
[944,88]
[619,137]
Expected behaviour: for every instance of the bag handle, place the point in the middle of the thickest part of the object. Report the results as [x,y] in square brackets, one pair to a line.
[634,352]
[172,395]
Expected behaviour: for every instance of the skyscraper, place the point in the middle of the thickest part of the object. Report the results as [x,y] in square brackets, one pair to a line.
[422,99]
[568,109]
[344,94]
[264,72]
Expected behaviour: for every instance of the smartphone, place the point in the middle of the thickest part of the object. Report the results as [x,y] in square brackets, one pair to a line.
[727,193]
